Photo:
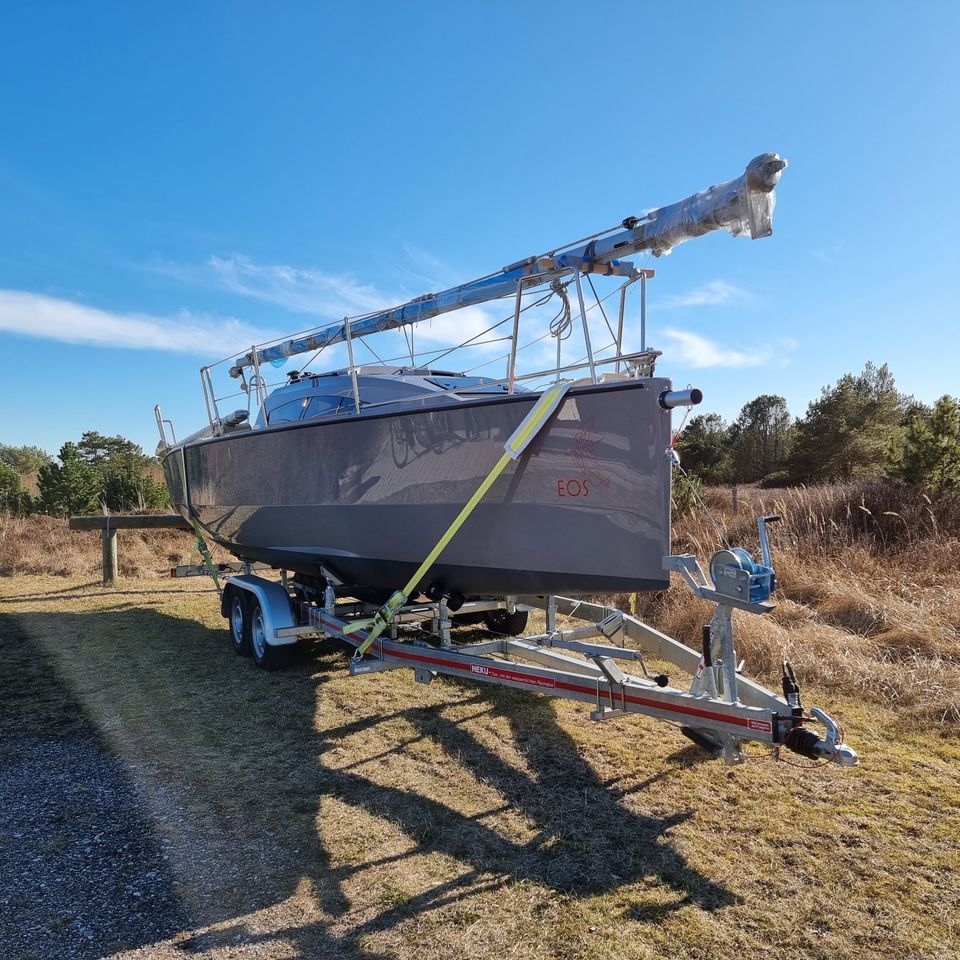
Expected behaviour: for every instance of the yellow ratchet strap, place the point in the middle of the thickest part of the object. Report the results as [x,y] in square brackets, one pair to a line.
[518,442]
[205,553]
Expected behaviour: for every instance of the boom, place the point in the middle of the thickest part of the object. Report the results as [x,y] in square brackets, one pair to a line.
[743,206]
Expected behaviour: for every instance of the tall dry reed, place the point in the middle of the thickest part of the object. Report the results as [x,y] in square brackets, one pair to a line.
[868,605]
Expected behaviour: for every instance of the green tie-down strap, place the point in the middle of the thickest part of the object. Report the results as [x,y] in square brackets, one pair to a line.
[205,553]
[514,448]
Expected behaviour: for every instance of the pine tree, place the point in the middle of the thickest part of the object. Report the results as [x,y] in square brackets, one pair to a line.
[704,448]
[931,456]
[123,469]
[125,488]
[23,459]
[13,497]
[760,437]
[853,431]
[69,487]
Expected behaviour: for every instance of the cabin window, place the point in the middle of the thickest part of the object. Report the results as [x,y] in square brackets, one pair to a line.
[287,412]
[325,406]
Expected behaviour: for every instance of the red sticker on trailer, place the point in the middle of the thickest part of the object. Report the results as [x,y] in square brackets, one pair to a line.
[497,673]
[765,725]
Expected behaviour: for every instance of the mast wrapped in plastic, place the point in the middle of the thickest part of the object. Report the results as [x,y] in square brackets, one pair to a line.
[741,207]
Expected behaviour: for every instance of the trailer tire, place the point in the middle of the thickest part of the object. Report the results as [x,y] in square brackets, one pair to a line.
[238,616]
[265,655]
[511,624]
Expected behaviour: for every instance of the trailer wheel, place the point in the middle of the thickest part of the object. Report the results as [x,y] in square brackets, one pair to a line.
[265,655]
[239,618]
[511,624]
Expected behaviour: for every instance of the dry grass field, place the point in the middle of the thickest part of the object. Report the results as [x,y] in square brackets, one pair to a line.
[307,814]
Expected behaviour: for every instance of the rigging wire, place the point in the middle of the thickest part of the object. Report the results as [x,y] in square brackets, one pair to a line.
[544,336]
[536,303]
[440,353]
[374,352]
[675,460]
[600,305]
[362,316]
[721,536]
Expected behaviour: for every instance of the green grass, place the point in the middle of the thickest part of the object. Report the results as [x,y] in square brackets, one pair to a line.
[318,815]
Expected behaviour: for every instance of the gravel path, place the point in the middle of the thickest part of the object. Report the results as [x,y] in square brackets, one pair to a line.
[81,874]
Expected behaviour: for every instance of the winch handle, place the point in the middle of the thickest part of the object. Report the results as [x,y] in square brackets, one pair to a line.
[764,542]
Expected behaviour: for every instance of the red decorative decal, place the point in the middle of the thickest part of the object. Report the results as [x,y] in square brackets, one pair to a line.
[585,457]
[573,488]
[765,725]
[497,673]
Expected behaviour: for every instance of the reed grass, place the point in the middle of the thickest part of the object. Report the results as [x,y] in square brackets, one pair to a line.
[869,598]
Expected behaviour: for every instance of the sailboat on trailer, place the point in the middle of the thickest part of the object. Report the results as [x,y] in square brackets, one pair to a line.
[350,475]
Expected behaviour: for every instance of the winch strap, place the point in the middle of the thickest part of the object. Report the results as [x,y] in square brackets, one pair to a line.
[514,448]
[207,557]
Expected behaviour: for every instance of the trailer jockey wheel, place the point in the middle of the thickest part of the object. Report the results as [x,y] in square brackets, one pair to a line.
[510,624]
[265,655]
[240,623]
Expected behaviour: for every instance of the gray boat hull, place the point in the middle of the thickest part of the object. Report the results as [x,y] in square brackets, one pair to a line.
[586,509]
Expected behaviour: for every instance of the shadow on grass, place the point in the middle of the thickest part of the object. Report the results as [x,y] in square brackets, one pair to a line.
[94,588]
[242,749]
[81,872]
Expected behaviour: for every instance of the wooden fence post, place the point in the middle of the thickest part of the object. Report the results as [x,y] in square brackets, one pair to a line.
[110,566]
[109,525]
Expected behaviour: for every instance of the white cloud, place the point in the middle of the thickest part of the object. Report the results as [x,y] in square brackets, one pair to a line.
[425,269]
[699,352]
[329,295]
[36,315]
[831,254]
[708,295]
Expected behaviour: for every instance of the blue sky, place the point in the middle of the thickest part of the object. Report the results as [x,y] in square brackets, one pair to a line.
[184,178]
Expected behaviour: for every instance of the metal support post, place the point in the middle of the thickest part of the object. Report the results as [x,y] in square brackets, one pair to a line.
[586,328]
[512,364]
[620,313]
[443,623]
[643,312]
[722,626]
[260,386]
[206,394]
[348,336]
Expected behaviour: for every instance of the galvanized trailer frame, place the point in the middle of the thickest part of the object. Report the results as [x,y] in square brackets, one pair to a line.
[721,711]
[596,679]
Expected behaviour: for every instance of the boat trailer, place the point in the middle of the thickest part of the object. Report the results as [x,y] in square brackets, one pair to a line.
[721,711]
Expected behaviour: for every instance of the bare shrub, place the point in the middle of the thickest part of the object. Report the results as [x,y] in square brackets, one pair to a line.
[46,545]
